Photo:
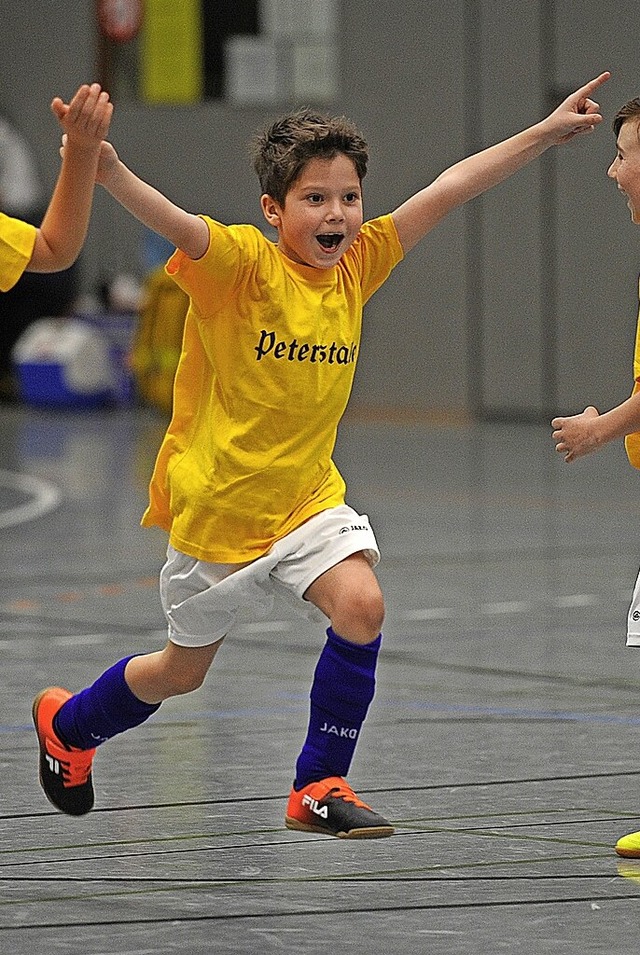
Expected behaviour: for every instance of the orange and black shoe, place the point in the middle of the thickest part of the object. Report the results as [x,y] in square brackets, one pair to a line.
[65,772]
[331,807]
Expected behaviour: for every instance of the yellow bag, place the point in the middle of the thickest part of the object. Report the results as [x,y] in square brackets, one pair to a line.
[158,340]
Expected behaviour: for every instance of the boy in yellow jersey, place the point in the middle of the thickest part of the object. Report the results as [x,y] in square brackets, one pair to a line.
[244,482]
[56,244]
[580,434]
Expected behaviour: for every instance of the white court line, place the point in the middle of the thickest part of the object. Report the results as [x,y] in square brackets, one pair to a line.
[565,602]
[578,600]
[45,497]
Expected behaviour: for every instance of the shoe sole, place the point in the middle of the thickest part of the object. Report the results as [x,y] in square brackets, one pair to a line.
[34,715]
[367,832]
[628,853]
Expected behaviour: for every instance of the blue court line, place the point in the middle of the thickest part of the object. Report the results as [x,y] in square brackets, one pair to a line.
[300,702]
[561,716]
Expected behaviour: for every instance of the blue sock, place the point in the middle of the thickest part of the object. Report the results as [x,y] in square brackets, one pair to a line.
[105,708]
[343,687]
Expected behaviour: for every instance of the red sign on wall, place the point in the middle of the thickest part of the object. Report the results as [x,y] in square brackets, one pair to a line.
[120,20]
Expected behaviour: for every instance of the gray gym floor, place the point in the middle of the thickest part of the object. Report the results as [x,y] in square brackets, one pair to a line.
[503,741]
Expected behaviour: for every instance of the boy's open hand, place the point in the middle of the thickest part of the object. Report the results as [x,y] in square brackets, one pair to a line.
[576,435]
[578,113]
[86,118]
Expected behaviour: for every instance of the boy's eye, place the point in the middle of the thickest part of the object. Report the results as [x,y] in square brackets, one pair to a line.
[351,197]
[315,197]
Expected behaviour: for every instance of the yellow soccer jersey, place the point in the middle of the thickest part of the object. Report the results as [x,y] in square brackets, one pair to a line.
[17,239]
[268,359]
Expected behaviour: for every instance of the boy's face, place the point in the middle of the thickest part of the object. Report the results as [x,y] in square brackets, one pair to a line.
[322,214]
[625,168]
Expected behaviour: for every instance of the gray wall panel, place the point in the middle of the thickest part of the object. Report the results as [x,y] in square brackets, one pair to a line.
[407,80]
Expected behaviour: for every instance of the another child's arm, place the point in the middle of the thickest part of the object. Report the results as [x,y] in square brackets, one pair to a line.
[64,227]
[477,173]
[186,231]
[582,433]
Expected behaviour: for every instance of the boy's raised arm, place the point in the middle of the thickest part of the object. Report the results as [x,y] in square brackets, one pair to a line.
[578,113]
[186,231]
[64,227]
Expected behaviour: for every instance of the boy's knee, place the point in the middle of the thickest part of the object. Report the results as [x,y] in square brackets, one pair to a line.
[359,619]
[177,684]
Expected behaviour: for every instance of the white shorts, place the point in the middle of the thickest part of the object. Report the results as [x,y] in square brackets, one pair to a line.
[633,617]
[201,600]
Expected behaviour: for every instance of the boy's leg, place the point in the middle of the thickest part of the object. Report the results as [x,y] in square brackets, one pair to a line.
[343,687]
[70,727]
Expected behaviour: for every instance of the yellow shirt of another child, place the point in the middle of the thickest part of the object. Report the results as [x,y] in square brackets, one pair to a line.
[632,441]
[268,359]
[17,239]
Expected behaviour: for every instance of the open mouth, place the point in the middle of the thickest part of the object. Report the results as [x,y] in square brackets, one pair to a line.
[330,240]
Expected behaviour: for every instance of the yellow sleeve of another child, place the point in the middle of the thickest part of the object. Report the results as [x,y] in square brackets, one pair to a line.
[632,441]
[17,239]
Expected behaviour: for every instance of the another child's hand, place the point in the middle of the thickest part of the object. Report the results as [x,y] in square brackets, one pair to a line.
[107,159]
[576,436]
[86,118]
[107,162]
[578,113]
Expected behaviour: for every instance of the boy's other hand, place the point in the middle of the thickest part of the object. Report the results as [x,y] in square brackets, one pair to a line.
[576,435]
[107,159]
[107,162]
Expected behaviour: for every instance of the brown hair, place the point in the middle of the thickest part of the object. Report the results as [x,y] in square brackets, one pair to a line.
[282,151]
[630,110]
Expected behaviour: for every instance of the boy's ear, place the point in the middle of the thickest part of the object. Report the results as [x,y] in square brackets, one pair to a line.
[270,210]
